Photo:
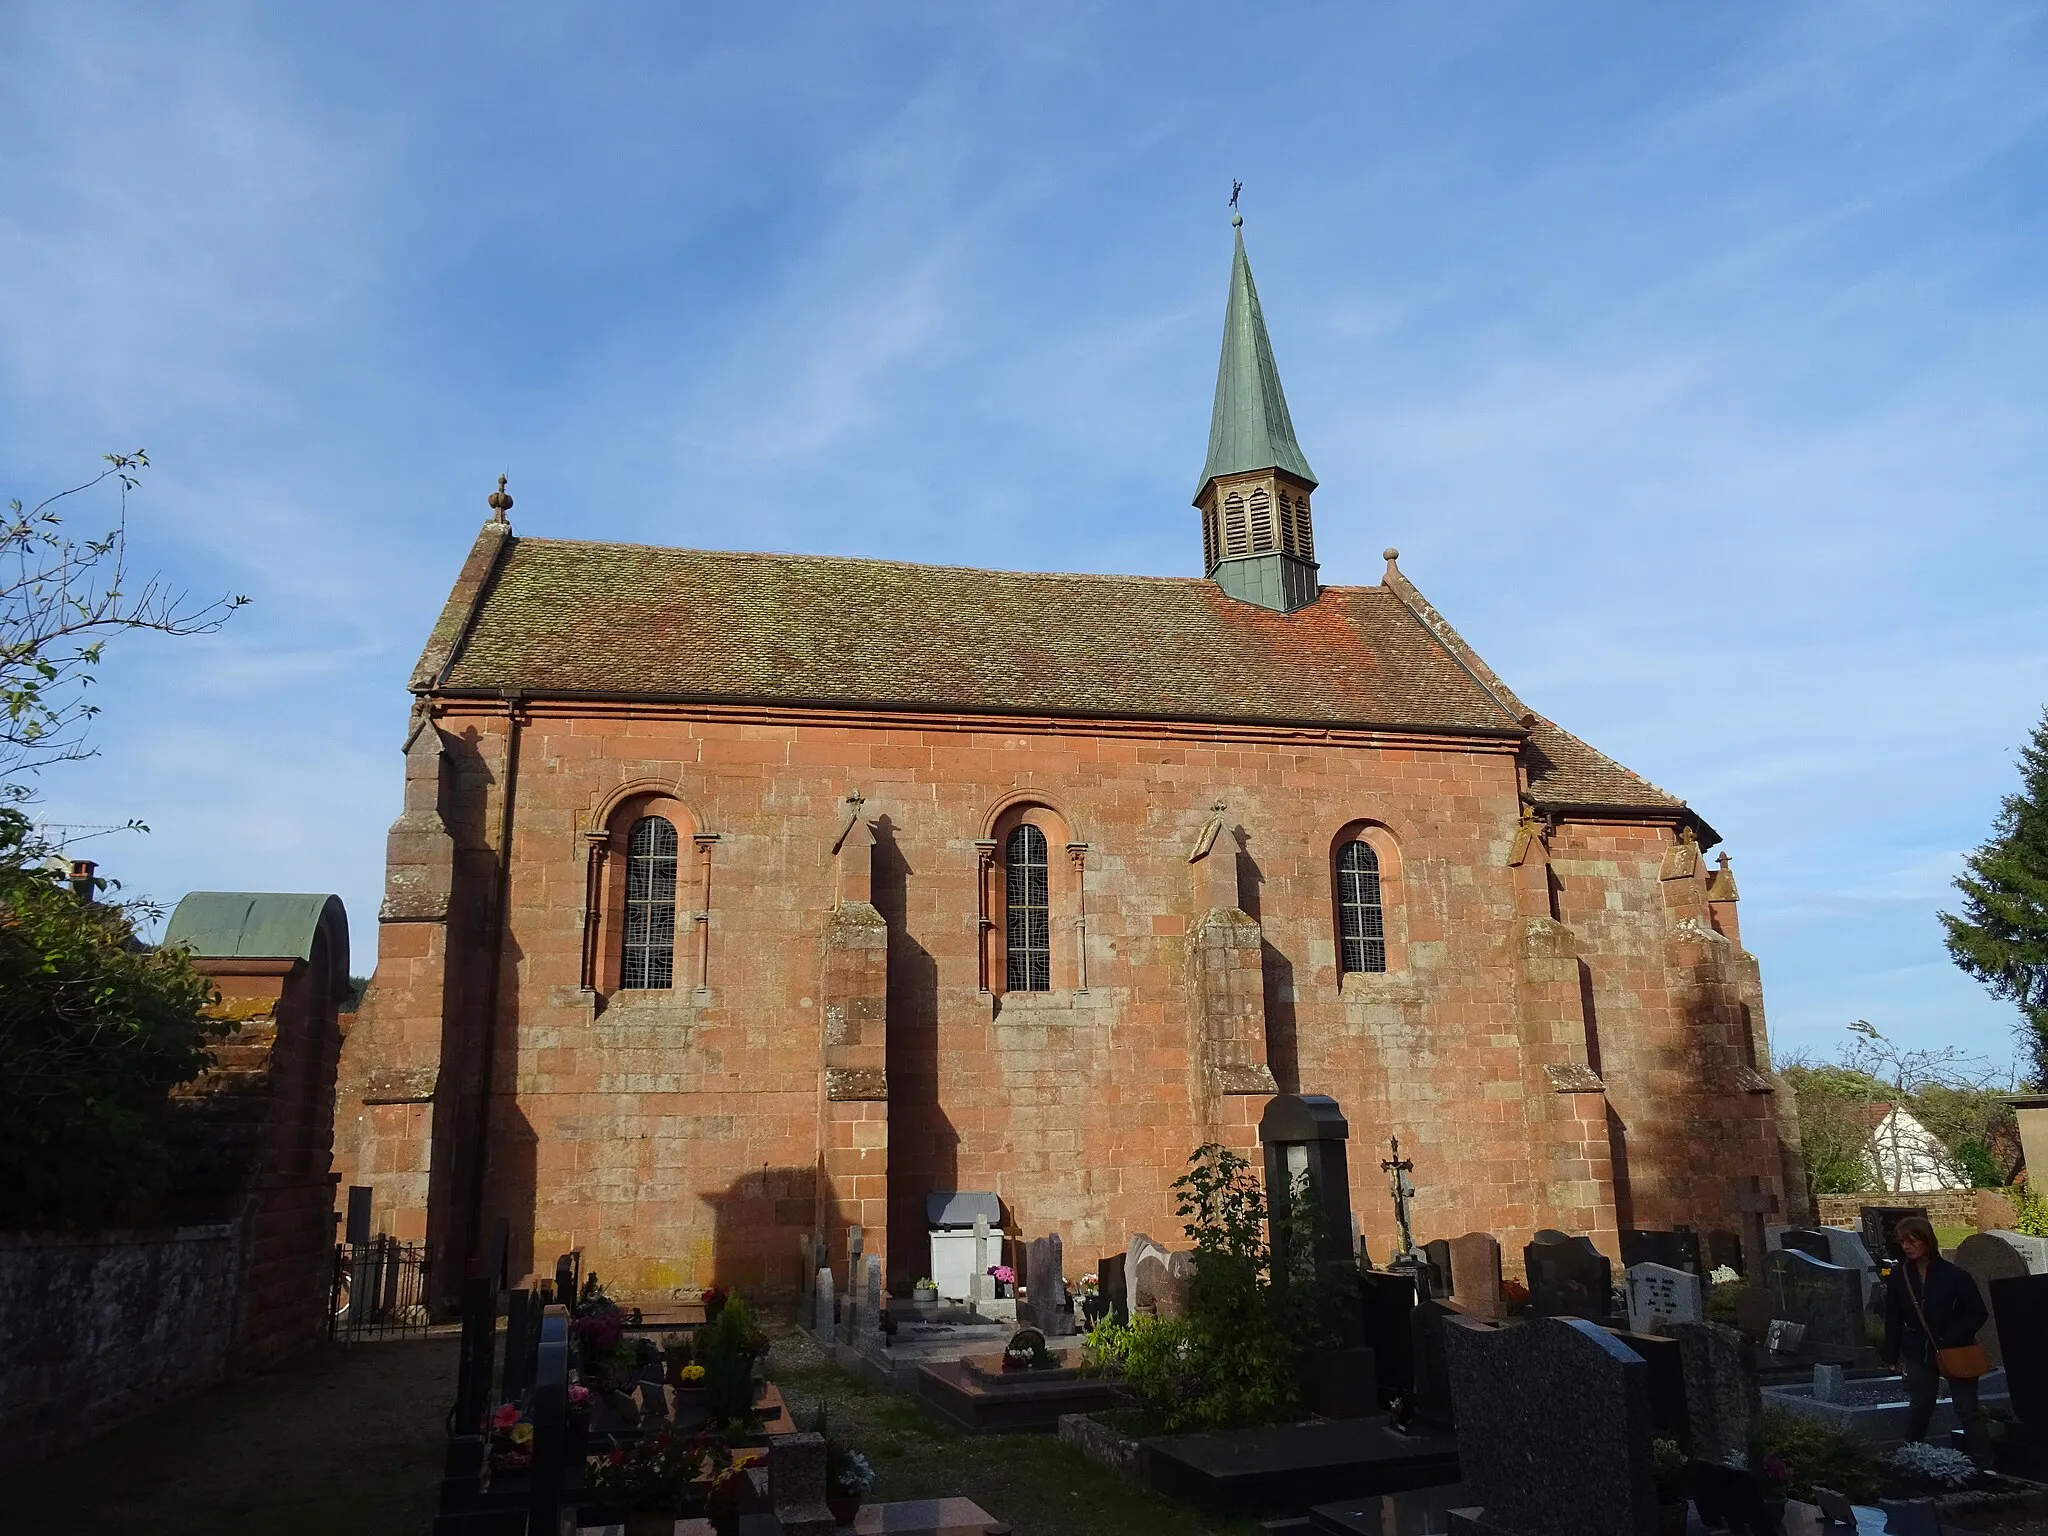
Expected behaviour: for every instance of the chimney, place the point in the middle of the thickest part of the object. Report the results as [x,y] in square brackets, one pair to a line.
[82,883]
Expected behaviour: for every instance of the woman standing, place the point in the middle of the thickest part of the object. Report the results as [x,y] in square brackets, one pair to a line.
[1931,1305]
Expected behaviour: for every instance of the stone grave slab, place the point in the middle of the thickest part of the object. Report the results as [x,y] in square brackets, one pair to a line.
[1570,1278]
[1667,1382]
[1430,1390]
[1475,1274]
[979,1395]
[825,1311]
[1284,1467]
[1722,1397]
[1387,1306]
[1553,1427]
[1846,1249]
[1660,1297]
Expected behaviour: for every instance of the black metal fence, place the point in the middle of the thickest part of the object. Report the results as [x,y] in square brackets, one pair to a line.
[379,1290]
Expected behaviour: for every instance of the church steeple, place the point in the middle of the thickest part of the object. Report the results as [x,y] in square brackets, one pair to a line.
[1257,542]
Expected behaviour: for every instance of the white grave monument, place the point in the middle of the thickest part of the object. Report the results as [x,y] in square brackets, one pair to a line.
[1660,1298]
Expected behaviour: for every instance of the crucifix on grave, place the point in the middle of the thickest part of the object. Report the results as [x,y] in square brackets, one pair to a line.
[1402,1188]
[1752,1203]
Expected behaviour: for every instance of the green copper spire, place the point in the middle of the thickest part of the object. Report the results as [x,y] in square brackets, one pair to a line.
[1250,428]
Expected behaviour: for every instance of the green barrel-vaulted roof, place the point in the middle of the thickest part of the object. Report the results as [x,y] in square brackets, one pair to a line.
[259,925]
[1250,428]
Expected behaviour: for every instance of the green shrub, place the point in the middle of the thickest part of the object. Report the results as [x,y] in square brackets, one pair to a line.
[2030,1210]
[1820,1456]
[734,1344]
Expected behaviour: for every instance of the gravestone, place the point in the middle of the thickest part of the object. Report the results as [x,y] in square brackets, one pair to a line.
[979,1286]
[807,1276]
[1986,1257]
[1475,1274]
[1878,1224]
[1571,1278]
[1667,1382]
[825,1318]
[796,1486]
[1110,1281]
[2019,1307]
[479,1343]
[1430,1390]
[1660,1297]
[1829,1384]
[1825,1298]
[2033,1251]
[1722,1399]
[1814,1244]
[1303,1140]
[1136,1251]
[1436,1254]
[1845,1248]
[869,1322]
[1157,1290]
[1553,1427]
[1674,1250]
[1387,1307]
[1045,1286]
[1724,1251]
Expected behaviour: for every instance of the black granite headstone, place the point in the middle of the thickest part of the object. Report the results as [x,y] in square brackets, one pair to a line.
[1437,1255]
[473,1366]
[1431,1396]
[1724,1251]
[1553,1427]
[521,1311]
[1569,1279]
[1825,1297]
[356,1232]
[1674,1250]
[2019,1306]
[1110,1281]
[1880,1222]
[1387,1307]
[1667,1383]
[1807,1241]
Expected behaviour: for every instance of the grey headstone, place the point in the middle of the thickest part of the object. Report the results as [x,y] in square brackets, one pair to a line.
[1722,1399]
[870,1295]
[1157,1289]
[1828,1384]
[1660,1298]
[1045,1285]
[796,1485]
[1553,1427]
[1569,1277]
[824,1317]
[979,1286]
[1986,1257]
[1825,1298]
[1845,1248]
[1475,1274]
[2033,1251]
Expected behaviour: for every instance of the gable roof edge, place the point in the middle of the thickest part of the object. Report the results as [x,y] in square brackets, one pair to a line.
[465,601]
[1439,629]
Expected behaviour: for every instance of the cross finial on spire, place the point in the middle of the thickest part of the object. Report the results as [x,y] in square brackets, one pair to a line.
[499,502]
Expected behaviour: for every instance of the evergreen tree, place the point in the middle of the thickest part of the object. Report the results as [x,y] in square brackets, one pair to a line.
[2002,936]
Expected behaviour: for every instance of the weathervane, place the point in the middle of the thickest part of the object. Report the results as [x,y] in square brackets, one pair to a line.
[1235,188]
[1402,1188]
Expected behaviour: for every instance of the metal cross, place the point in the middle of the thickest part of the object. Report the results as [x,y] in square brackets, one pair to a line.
[1403,1190]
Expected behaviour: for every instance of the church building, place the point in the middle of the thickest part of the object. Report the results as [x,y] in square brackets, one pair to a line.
[738,898]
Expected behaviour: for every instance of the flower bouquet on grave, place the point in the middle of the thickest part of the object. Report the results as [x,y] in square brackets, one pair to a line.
[1514,1298]
[662,1476]
[1005,1278]
[849,1478]
[714,1298]
[511,1441]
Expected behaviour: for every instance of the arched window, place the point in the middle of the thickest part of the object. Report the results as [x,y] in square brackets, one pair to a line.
[1028,910]
[650,946]
[1235,541]
[1262,521]
[1361,920]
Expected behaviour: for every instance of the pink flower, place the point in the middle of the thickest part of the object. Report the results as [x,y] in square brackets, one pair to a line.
[1004,1273]
[505,1417]
[579,1395]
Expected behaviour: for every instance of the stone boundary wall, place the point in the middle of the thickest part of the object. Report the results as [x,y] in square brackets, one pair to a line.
[98,1328]
[1983,1209]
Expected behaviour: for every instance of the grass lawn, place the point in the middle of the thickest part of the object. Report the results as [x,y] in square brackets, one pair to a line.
[340,1440]
[1041,1487]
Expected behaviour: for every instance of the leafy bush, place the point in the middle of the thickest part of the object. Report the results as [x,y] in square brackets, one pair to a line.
[1817,1455]
[2030,1210]
[95,1030]
[1933,1465]
[1668,1464]
[1233,1358]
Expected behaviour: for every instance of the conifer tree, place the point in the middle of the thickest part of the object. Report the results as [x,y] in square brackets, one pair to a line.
[2001,938]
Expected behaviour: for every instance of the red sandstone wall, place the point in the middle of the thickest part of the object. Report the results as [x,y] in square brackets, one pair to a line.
[682,1137]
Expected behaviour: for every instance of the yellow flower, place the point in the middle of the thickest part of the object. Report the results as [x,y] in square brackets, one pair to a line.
[693,1373]
[522,1434]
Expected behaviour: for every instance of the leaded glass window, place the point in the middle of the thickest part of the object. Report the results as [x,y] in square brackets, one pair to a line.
[1028,911]
[650,957]
[1361,920]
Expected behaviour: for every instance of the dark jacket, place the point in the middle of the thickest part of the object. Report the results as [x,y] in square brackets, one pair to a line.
[1955,1311]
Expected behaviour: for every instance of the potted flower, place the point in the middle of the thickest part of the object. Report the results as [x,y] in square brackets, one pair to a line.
[925,1293]
[658,1480]
[1668,1463]
[849,1479]
[511,1440]
[1774,1482]
[1004,1277]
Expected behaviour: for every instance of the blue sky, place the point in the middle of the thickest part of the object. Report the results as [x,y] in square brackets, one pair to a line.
[1693,357]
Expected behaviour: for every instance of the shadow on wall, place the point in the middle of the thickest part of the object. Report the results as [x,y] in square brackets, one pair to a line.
[924,1149]
[755,1223]
[1283,1055]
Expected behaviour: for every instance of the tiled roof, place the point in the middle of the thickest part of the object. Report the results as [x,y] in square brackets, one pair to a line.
[561,617]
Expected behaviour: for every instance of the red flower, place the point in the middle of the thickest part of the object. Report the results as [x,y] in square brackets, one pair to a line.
[505,1417]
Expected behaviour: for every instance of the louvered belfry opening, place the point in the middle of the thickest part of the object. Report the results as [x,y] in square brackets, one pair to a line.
[1027,910]
[649,961]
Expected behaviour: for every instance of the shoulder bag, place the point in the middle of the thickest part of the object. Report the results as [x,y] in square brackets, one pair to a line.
[1966,1362]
